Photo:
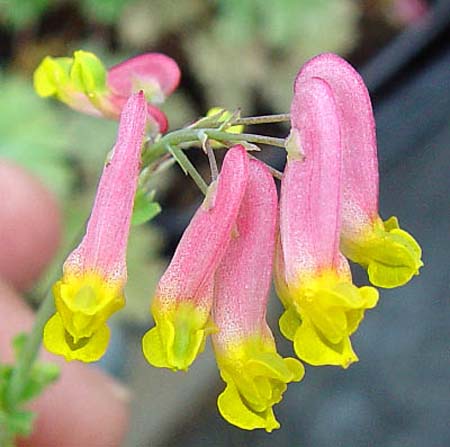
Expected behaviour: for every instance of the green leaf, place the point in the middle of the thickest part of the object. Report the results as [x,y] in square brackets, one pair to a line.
[42,375]
[145,209]
[18,422]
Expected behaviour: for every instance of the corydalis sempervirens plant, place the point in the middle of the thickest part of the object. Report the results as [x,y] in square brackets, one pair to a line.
[94,274]
[217,281]
[83,83]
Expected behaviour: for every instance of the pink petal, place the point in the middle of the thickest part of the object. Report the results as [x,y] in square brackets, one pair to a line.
[243,278]
[149,67]
[360,165]
[310,189]
[206,238]
[103,247]
[155,115]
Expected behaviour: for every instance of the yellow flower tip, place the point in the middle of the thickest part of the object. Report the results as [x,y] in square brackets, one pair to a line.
[86,302]
[325,312]
[391,255]
[87,73]
[59,341]
[256,378]
[178,338]
[52,76]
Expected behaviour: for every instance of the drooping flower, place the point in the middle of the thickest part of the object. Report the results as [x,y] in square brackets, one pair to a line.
[184,296]
[313,279]
[390,255]
[83,83]
[256,375]
[94,274]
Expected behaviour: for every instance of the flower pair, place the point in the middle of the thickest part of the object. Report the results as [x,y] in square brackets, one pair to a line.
[83,83]
[329,208]
[218,283]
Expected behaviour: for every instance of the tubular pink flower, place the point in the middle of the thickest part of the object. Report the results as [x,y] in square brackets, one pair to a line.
[390,255]
[323,307]
[83,83]
[255,374]
[184,296]
[94,274]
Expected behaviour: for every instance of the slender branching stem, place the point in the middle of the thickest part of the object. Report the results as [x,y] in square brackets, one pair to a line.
[189,168]
[266,119]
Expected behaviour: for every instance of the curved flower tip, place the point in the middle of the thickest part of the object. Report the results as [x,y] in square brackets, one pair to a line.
[184,296]
[156,74]
[94,274]
[83,83]
[390,255]
[256,378]
[322,315]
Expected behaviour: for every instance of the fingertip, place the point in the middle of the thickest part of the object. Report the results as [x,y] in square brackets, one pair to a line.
[85,407]
[30,227]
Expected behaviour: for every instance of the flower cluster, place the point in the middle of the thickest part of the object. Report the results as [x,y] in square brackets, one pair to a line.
[218,280]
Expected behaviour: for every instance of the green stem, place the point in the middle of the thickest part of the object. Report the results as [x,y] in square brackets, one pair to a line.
[29,354]
[189,168]
[177,137]
[266,119]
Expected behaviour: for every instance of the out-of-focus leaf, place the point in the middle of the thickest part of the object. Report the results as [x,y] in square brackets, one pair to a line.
[144,22]
[145,208]
[20,13]
[104,11]
[273,40]
[17,422]
[31,134]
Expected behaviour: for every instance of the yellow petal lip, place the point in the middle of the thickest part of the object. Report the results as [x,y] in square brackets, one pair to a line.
[390,255]
[85,302]
[312,347]
[325,311]
[58,341]
[178,337]
[256,377]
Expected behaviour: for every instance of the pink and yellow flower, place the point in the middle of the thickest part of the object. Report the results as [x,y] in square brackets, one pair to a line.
[184,296]
[256,375]
[313,279]
[83,83]
[390,255]
[94,274]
